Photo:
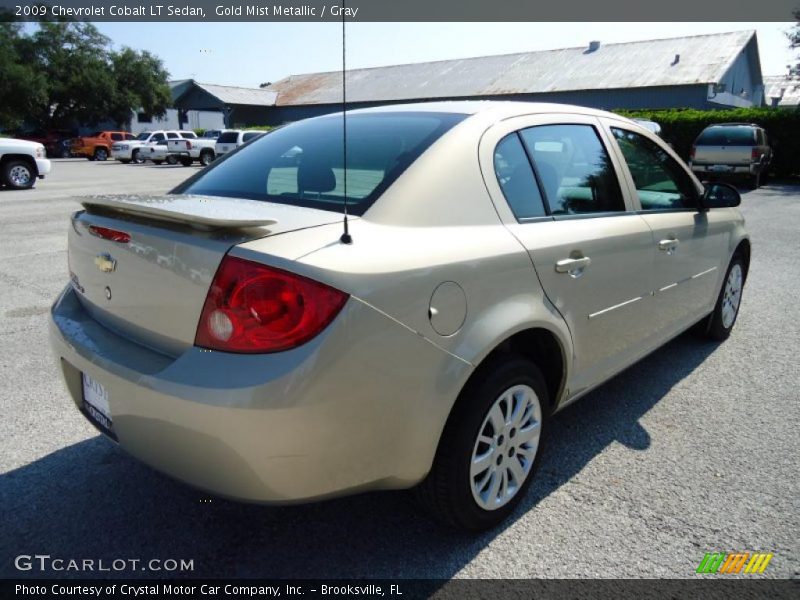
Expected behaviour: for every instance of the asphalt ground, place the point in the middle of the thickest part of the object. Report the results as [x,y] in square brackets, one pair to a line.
[692,450]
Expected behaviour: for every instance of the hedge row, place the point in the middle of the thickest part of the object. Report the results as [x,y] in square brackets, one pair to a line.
[680,127]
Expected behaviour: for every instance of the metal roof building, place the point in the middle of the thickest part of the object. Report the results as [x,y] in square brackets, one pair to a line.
[781,91]
[704,71]
[239,105]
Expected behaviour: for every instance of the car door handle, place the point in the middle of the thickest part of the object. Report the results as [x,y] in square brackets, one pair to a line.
[570,265]
[668,245]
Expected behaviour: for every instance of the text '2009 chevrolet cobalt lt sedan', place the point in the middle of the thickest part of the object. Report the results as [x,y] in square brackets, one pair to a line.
[505,258]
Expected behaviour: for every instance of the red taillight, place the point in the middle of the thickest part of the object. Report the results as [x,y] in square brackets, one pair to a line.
[110,234]
[691,152]
[188,145]
[252,308]
[755,155]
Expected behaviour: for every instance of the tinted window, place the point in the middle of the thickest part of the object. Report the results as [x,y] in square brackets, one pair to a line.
[157,137]
[574,169]
[189,135]
[726,136]
[116,136]
[660,181]
[229,137]
[515,176]
[302,164]
[250,135]
[129,136]
[143,136]
[173,136]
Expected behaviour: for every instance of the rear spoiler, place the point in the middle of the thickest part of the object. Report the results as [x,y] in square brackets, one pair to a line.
[199,212]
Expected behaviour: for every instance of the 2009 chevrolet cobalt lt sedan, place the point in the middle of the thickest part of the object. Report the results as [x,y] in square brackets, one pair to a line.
[503,259]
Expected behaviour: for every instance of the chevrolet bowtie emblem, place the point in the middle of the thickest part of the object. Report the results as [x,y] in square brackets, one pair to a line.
[105,262]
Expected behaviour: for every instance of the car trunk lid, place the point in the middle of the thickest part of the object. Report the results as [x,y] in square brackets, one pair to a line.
[142,265]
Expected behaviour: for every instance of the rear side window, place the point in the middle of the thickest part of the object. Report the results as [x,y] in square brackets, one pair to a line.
[303,164]
[515,176]
[574,169]
[250,135]
[173,136]
[660,182]
[157,137]
[726,136]
[116,136]
[229,137]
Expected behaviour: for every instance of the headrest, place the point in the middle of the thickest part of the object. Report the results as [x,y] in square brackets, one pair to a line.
[315,175]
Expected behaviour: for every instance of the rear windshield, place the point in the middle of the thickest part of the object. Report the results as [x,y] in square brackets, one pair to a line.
[229,137]
[302,164]
[726,136]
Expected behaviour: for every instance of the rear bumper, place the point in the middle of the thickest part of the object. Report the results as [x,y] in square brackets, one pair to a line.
[715,169]
[359,407]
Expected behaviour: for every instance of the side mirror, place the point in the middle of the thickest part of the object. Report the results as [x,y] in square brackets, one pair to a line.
[720,195]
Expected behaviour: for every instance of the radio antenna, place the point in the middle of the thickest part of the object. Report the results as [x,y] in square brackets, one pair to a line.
[345,239]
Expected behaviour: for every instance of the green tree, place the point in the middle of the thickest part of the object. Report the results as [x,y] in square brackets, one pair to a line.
[66,73]
[140,82]
[794,43]
[23,87]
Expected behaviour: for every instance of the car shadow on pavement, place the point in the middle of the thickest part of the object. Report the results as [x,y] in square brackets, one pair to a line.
[90,500]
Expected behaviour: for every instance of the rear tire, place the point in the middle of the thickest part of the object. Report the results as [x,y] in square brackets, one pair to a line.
[490,447]
[726,310]
[19,174]
[206,157]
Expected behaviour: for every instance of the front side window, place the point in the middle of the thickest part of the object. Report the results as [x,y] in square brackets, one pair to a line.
[157,137]
[515,176]
[574,169]
[303,164]
[660,182]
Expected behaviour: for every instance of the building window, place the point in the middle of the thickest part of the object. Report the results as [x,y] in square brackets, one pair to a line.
[143,117]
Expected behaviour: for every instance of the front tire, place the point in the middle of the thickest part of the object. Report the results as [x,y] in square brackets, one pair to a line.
[726,310]
[101,154]
[136,158]
[490,446]
[19,174]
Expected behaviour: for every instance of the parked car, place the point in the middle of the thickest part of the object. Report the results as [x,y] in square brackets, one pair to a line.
[52,140]
[233,138]
[98,145]
[188,151]
[137,149]
[501,260]
[739,150]
[158,152]
[21,163]
[650,125]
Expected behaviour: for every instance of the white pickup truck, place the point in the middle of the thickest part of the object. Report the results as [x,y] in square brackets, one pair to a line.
[21,162]
[188,151]
[137,150]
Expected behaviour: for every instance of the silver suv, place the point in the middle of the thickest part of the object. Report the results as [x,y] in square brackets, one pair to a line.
[733,149]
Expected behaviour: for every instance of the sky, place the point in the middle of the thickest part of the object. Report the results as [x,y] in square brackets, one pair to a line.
[248,54]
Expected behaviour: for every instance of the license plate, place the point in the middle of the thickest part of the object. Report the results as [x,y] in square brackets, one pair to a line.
[721,168]
[95,405]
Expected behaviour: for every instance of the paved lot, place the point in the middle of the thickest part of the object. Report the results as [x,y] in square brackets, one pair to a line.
[693,449]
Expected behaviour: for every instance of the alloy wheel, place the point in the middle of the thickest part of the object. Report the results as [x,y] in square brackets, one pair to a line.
[506,447]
